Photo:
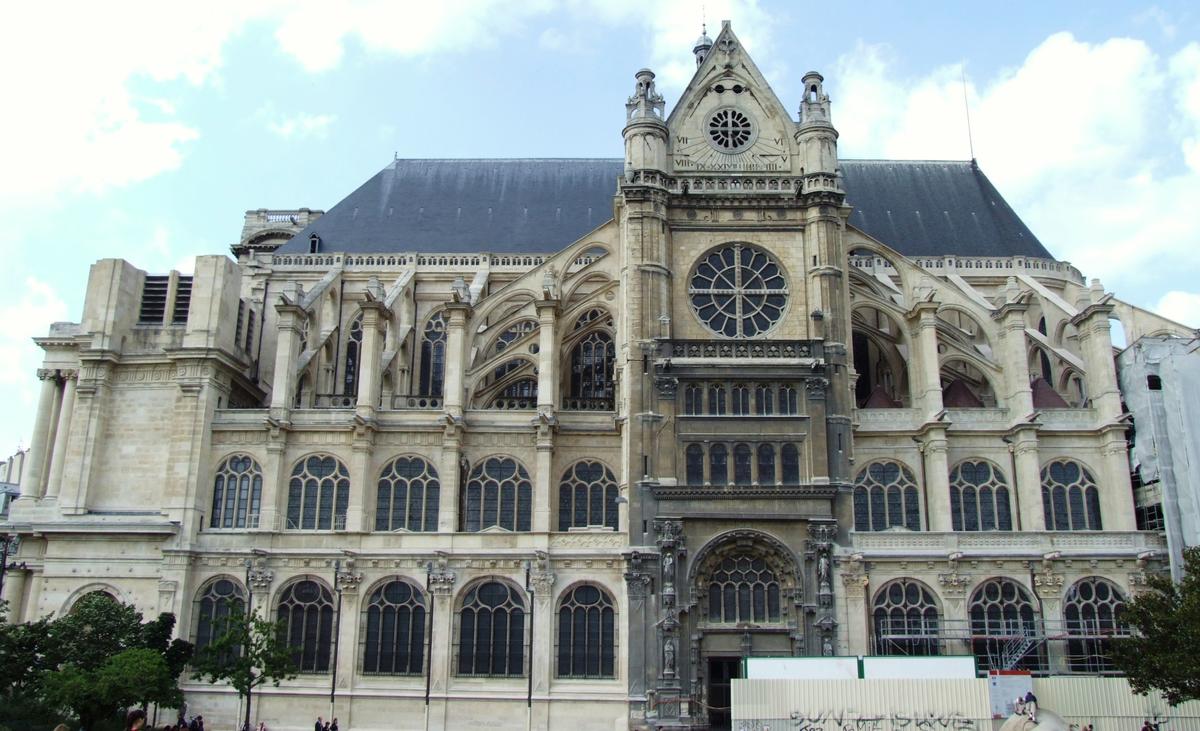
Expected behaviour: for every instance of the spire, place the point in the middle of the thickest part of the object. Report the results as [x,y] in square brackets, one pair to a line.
[646,103]
[703,45]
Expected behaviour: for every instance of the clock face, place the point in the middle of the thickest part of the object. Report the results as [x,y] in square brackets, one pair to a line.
[730,140]
[729,130]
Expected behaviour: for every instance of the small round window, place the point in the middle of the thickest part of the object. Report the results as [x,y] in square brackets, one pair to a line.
[738,291]
[729,129]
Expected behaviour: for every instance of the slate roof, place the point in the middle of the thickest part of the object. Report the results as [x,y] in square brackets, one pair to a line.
[542,205]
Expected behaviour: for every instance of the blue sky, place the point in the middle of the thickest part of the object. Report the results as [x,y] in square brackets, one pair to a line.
[145,130]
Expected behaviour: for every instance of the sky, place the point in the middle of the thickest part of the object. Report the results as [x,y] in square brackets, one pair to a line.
[144,130]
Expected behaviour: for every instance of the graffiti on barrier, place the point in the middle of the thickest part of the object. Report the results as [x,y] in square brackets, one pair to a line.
[852,721]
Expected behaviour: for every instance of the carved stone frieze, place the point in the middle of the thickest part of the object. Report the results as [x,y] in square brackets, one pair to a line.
[954,583]
[1048,584]
[261,576]
[348,577]
[667,385]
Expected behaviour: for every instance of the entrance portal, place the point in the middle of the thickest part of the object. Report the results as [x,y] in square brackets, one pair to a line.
[721,670]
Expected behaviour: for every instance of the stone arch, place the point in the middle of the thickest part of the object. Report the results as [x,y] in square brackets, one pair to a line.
[882,259]
[906,618]
[95,587]
[963,326]
[602,280]
[776,557]
[976,377]
[881,353]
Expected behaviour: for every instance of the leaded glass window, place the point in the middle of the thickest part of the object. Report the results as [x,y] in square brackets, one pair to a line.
[716,400]
[491,631]
[1070,498]
[718,464]
[764,397]
[514,332]
[306,613]
[694,457]
[1092,611]
[595,314]
[766,464]
[408,497]
[353,353]
[318,494]
[592,361]
[979,497]
[738,291]
[740,400]
[906,619]
[219,601]
[498,493]
[394,630]
[743,589]
[885,497]
[1004,620]
[587,496]
[237,493]
[790,464]
[587,645]
[789,400]
[433,356]
[693,400]
[743,458]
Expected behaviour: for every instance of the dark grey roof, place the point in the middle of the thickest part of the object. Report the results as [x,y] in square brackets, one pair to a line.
[542,205]
[921,207]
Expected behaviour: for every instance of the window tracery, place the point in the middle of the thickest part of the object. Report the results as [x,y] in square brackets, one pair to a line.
[1003,617]
[491,632]
[351,363]
[1092,611]
[738,290]
[979,497]
[885,497]
[586,634]
[433,356]
[498,493]
[1070,498]
[318,494]
[394,630]
[305,610]
[742,589]
[237,493]
[587,496]
[215,604]
[408,497]
[906,619]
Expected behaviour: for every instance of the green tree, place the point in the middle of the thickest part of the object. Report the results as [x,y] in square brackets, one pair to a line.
[100,693]
[26,652]
[246,653]
[1164,654]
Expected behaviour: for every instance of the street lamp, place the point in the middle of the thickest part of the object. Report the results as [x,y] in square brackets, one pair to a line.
[9,544]
[337,630]
[246,611]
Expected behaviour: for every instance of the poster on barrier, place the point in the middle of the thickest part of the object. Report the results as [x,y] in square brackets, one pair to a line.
[1004,687]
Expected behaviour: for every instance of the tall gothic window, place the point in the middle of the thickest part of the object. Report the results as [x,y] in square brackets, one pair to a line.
[217,602]
[1004,623]
[587,496]
[354,338]
[693,399]
[979,497]
[766,464]
[906,619]
[1092,612]
[716,400]
[491,631]
[506,338]
[592,361]
[318,494]
[237,493]
[740,400]
[886,497]
[1070,498]
[394,630]
[587,645]
[790,464]
[408,496]
[433,356]
[306,613]
[498,493]
[789,400]
[743,589]
[694,458]
[718,464]
[764,397]
[743,458]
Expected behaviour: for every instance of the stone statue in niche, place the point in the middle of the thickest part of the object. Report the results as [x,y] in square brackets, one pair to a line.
[823,571]
[668,568]
[669,656]
[826,647]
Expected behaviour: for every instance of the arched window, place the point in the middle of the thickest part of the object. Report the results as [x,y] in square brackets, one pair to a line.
[237,493]
[587,645]
[1092,612]
[766,464]
[491,631]
[318,494]
[789,400]
[1070,498]
[592,361]
[408,498]
[740,400]
[906,619]
[693,400]
[306,613]
[498,493]
[587,496]
[694,456]
[716,400]
[790,464]
[520,394]
[591,316]
[1004,624]
[215,604]
[886,497]
[506,338]
[394,630]
[743,458]
[743,589]
[433,356]
[979,497]
[764,397]
[718,464]
[354,338]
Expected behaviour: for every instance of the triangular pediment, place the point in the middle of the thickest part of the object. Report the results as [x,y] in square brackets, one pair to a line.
[728,119]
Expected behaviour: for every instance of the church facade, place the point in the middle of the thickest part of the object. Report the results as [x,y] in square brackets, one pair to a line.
[551,443]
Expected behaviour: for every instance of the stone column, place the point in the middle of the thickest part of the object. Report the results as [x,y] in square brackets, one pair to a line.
[375,316]
[954,606]
[449,477]
[934,450]
[457,316]
[1096,347]
[31,479]
[1028,479]
[362,481]
[88,423]
[61,435]
[14,594]
[928,391]
[1049,587]
[641,653]
[348,581]
[287,343]
[543,479]
[441,668]
[548,358]
[541,640]
[1116,492]
[1014,356]
[275,478]
[857,630]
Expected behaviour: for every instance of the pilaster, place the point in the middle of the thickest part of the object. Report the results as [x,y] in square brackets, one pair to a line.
[441,594]
[1028,479]
[934,450]
[375,317]
[457,316]
[32,478]
[928,391]
[289,328]
[62,434]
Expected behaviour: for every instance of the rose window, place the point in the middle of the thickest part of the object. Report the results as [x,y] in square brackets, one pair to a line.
[729,129]
[738,291]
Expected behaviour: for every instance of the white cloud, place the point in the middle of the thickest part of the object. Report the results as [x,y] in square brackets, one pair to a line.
[24,316]
[302,126]
[1182,307]
[1097,145]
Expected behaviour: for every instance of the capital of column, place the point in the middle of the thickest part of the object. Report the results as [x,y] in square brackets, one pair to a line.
[458,313]
[924,313]
[47,374]
[547,308]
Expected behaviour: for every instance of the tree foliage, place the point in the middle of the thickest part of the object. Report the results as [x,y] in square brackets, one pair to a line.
[247,653]
[1164,654]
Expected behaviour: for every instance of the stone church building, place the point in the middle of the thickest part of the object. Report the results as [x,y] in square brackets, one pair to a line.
[553,443]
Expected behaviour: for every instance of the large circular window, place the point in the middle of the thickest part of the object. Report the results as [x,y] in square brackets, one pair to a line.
[738,291]
[729,129]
